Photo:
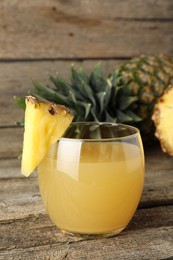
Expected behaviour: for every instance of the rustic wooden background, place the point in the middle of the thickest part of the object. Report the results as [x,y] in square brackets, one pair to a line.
[42,37]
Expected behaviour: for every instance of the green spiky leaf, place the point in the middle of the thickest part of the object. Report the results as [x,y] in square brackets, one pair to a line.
[126,101]
[50,94]
[122,117]
[134,117]
[62,86]
[20,102]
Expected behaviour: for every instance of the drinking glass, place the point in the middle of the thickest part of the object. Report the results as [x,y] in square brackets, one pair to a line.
[92,179]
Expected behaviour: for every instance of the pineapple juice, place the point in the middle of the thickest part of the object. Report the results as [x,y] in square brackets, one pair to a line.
[92,187]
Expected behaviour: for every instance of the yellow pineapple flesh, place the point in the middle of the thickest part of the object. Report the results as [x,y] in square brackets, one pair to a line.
[163,119]
[45,123]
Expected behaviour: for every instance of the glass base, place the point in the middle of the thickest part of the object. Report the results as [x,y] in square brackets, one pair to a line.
[94,236]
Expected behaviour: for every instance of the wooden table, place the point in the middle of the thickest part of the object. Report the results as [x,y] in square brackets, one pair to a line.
[27,233]
[38,38]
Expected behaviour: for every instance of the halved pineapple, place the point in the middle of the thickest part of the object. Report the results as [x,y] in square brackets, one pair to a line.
[45,123]
[163,119]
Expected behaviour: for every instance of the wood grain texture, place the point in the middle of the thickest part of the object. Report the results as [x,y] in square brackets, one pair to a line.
[10,168]
[11,142]
[16,80]
[20,198]
[70,29]
[150,228]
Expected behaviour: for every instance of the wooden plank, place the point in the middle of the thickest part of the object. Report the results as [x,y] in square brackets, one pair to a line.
[116,9]
[11,142]
[37,238]
[113,9]
[16,80]
[65,29]
[10,168]
[19,198]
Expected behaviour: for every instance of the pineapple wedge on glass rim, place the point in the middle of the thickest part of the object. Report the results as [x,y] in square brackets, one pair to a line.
[163,120]
[45,123]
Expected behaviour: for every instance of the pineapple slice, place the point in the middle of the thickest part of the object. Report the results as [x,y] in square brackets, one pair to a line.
[163,119]
[45,123]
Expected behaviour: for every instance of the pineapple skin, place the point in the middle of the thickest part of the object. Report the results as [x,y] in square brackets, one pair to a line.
[146,78]
[163,120]
[45,123]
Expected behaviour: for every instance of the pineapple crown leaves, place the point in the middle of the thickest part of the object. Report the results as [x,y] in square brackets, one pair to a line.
[122,99]
[89,97]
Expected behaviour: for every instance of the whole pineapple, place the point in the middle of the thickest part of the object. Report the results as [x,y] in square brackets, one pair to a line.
[128,95]
[144,78]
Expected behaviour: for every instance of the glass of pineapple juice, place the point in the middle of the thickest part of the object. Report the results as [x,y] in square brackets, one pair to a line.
[92,179]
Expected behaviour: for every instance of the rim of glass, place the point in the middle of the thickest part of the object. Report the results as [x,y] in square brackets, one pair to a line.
[129,136]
